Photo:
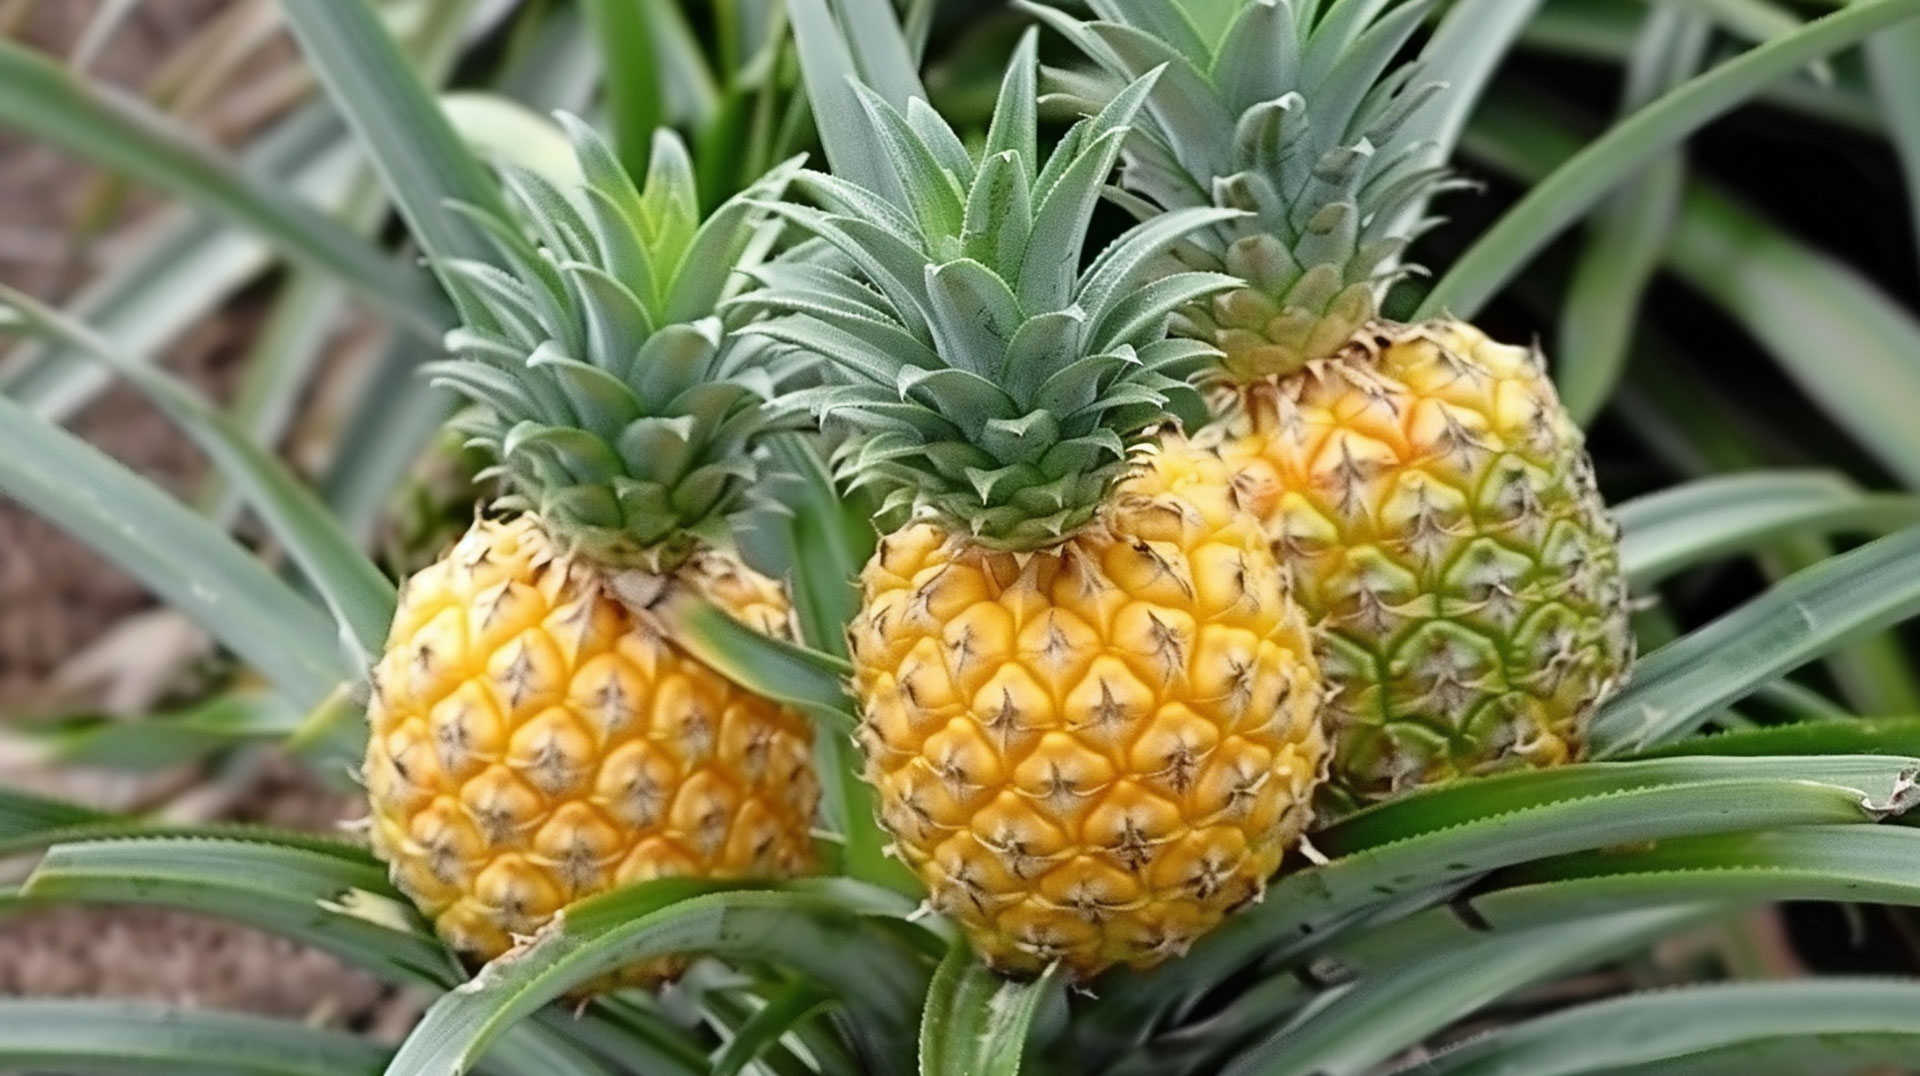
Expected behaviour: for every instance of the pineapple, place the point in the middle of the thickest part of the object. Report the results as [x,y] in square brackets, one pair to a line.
[536,736]
[1088,705]
[1433,499]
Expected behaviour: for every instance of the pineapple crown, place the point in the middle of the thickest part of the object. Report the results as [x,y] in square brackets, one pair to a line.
[618,405]
[1298,116]
[989,379]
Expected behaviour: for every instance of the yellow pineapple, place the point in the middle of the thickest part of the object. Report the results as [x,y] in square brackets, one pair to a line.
[1433,499]
[536,737]
[536,741]
[1088,703]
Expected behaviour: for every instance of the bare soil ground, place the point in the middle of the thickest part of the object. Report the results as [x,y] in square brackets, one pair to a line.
[56,596]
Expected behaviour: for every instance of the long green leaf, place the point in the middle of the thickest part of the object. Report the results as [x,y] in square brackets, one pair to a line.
[810,926]
[1379,1017]
[1802,304]
[24,817]
[976,1023]
[175,553]
[625,34]
[425,163]
[1471,41]
[166,739]
[178,269]
[762,1030]
[112,827]
[1860,736]
[775,668]
[398,417]
[277,367]
[1628,235]
[328,900]
[284,355]
[1893,61]
[360,597]
[319,892]
[1426,842]
[89,1036]
[1807,307]
[400,411]
[1684,683]
[1603,32]
[41,98]
[819,543]
[1861,863]
[1675,529]
[1809,1027]
[828,60]
[1582,181]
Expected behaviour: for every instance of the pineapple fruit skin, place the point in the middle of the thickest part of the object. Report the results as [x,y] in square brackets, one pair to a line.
[1091,753]
[1439,512]
[534,743]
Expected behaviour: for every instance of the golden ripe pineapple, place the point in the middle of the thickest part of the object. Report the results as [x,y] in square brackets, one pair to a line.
[536,736]
[1434,500]
[1088,704]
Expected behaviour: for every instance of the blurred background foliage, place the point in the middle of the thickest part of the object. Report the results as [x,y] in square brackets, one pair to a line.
[1750,301]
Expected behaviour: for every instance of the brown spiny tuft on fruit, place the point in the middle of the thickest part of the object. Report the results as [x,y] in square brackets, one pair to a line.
[535,741]
[1432,497]
[1088,703]
[537,737]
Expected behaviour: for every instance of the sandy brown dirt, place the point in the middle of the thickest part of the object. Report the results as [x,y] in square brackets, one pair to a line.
[56,596]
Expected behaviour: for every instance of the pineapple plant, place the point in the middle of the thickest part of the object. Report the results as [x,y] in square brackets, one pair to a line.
[537,736]
[1434,500]
[1088,704]
[1515,909]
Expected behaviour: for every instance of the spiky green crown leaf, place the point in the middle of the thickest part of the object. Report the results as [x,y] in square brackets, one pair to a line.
[1294,114]
[989,378]
[619,405]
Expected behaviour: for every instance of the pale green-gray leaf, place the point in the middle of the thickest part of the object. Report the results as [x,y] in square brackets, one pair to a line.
[1675,529]
[809,926]
[1809,1027]
[1681,684]
[1581,182]
[42,99]
[360,597]
[174,552]
[96,1036]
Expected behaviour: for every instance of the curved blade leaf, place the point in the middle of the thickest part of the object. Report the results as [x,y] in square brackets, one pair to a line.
[360,597]
[73,1035]
[38,96]
[1681,684]
[1813,1027]
[810,926]
[775,668]
[1377,1018]
[1582,181]
[763,1029]
[167,738]
[1436,838]
[1629,234]
[975,1022]
[1675,529]
[339,902]
[426,165]
[175,553]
